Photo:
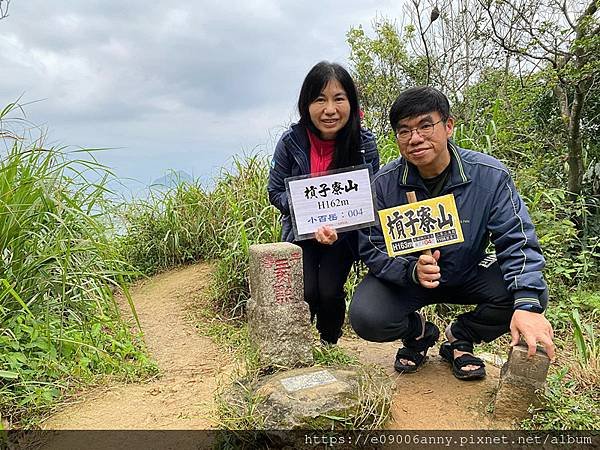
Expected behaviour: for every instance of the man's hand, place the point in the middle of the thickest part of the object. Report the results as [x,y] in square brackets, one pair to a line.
[428,272]
[534,328]
[326,235]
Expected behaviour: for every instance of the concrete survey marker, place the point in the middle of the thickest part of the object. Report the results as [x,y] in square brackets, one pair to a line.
[308,380]
[521,381]
[278,317]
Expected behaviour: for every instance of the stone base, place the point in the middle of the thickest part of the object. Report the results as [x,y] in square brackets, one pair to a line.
[514,397]
[316,398]
[303,398]
[282,338]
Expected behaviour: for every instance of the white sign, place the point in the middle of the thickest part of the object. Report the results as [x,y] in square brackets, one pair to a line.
[307,381]
[341,199]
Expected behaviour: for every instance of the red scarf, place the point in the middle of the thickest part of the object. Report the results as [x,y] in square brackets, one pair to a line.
[321,153]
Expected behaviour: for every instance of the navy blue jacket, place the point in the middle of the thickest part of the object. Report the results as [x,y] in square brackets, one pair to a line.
[292,158]
[488,206]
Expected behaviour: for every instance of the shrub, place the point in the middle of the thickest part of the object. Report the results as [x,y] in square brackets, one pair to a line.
[58,317]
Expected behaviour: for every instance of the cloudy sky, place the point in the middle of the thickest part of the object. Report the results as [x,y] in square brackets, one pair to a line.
[178,85]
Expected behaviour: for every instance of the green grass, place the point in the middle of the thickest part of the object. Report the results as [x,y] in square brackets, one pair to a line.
[187,223]
[59,321]
[333,356]
[566,406]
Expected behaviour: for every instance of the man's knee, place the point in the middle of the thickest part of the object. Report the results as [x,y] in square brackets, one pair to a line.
[366,324]
[373,324]
[383,312]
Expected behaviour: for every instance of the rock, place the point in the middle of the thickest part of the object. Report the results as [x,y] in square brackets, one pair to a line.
[283,406]
[491,358]
[521,380]
[278,317]
[302,398]
[309,398]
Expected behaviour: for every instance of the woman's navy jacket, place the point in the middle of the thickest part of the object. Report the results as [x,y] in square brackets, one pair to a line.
[292,158]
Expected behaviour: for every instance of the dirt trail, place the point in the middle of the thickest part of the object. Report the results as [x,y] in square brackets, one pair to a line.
[182,398]
[432,398]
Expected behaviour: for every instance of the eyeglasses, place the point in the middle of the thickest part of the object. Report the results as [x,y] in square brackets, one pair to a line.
[424,131]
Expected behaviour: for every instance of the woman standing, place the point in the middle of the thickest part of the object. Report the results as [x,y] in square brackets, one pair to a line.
[328,136]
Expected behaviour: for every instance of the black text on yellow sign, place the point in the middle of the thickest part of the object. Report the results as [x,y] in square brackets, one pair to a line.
[421,225]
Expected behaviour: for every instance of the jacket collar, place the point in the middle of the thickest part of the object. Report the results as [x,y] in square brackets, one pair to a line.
[299,145]
[298,141]
[459,172]
[299,137]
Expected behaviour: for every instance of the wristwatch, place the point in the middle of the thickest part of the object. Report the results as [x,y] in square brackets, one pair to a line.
[531,308]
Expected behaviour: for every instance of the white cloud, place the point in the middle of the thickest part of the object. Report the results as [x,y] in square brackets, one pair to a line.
[162,77]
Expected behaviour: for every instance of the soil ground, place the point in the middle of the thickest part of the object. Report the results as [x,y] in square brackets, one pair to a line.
[432,398]
[182,397]
[190,365]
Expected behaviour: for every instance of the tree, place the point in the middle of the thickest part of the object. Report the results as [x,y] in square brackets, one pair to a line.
[381,68]
[4,8]
[561,35]
[445,33]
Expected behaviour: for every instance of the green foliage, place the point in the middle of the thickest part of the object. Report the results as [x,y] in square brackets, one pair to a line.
[587,343]
[565,408]
[556,232]
[387,148]
[585,299]
[515,122]
[333,355]
[59,321]
[237,406]
[519,123]
[382,67]
[164,231]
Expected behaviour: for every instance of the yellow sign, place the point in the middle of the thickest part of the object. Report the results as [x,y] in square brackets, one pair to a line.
[421,225]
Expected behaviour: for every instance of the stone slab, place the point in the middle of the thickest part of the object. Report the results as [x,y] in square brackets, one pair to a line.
[519,365]
[308,404]
[522,379]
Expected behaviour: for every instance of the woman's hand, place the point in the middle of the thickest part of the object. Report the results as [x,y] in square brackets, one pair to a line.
[326,235]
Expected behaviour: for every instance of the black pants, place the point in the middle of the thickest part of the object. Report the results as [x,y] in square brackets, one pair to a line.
[384,312]
[326,269]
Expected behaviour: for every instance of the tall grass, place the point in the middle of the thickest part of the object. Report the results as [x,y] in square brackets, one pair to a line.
[187,223]
[58,269]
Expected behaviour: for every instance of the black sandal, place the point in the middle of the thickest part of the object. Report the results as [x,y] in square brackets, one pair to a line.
[412,350]
[447,353]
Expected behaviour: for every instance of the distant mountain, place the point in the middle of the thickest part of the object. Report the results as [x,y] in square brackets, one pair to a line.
[172,179]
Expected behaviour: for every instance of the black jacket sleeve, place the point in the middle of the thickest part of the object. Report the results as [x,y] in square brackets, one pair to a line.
[280,170]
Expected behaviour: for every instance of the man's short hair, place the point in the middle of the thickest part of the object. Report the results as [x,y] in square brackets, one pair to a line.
[417,101]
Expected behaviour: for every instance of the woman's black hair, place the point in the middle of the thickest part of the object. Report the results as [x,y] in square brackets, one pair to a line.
[347,140]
